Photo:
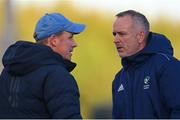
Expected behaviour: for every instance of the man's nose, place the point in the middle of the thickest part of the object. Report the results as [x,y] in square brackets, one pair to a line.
[74,44]
[116,38]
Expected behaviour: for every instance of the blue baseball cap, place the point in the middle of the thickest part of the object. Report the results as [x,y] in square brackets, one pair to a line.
[52,23]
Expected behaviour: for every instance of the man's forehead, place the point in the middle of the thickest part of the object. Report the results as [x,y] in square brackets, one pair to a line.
[122,19]
[123,22]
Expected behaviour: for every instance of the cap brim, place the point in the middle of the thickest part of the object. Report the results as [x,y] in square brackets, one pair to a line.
[76,28]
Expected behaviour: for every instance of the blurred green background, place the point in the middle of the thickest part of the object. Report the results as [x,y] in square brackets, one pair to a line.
[96,56]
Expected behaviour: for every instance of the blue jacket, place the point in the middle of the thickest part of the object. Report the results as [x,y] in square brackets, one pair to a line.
[36,83]
[148,85]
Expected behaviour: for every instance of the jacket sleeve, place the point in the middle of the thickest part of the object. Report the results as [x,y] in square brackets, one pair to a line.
[170,87]
[62,95]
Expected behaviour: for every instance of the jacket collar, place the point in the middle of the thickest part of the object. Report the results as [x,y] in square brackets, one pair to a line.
[69,65]
[156,44]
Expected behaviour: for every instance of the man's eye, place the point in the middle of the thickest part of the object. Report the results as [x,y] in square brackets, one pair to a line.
[119,33]
[70,37]
[114,33]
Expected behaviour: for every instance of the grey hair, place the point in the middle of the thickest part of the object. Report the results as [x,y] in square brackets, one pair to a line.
[138,17]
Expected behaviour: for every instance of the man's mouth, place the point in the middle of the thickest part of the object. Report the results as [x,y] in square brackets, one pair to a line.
[119,48]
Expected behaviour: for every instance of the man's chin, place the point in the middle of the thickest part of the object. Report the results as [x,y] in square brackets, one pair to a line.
[122,55]
[67,58]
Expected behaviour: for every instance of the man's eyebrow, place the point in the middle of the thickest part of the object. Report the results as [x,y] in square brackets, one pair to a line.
[119,33]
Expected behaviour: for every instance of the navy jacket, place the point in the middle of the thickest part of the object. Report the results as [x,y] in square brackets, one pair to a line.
[36,83]
[148,85]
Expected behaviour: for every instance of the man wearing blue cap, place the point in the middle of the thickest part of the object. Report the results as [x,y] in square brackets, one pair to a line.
[36,80]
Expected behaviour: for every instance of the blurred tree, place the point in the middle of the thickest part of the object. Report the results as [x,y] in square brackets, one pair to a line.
[8,33]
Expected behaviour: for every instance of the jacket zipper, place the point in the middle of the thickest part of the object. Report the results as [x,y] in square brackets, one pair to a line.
[131,89]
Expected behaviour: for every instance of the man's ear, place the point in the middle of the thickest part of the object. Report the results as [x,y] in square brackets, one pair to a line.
[52,41]
[141,36]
